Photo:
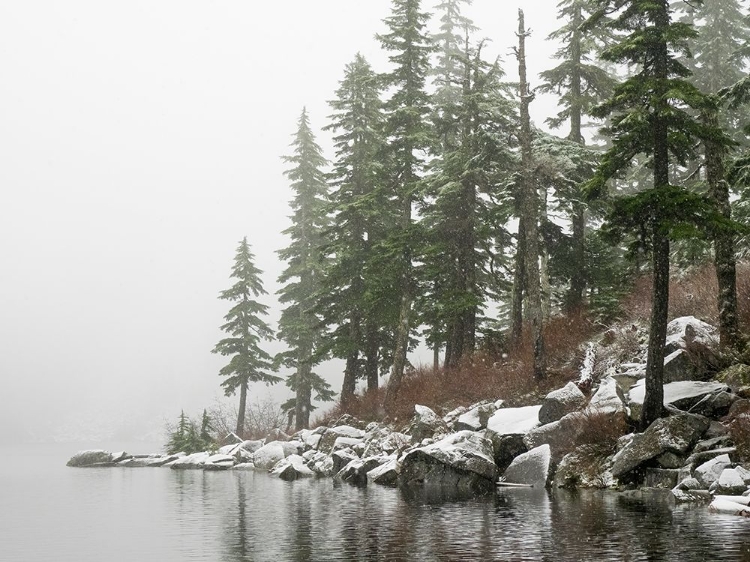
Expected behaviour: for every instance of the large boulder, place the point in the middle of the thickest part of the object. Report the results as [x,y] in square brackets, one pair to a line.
[710,471]
[331,435]
[461,461]
[355,472]
[675,434]
[219,462]
[386,474]
[533,468]
[715,405]
[191,462]
[585,467]
[477,416]
[291,468]
[687,332]
[91,458]
[561,435]
[730,483]
[425,424]
[561,402]
[608,399]
[683,395]
[507,428]
[269,454]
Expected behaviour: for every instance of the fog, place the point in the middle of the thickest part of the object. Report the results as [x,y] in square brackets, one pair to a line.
[140,142]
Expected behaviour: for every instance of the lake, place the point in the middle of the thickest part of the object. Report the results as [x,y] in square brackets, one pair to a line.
[53,513]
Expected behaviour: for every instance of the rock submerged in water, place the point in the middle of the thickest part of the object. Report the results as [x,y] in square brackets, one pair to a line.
[92,458]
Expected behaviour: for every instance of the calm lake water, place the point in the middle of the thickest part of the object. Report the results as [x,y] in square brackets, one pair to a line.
[49,512]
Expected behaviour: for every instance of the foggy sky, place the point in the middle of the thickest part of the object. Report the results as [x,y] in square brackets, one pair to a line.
[140,142]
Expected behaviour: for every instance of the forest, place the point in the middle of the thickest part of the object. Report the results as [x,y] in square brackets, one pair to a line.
[446,216]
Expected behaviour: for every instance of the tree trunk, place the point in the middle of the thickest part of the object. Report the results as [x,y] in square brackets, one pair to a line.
[303,402]
[530,212]
[352,362]
[240,430]
[519,277]
[574,299]
[725,262]
[371,356]
[653,402]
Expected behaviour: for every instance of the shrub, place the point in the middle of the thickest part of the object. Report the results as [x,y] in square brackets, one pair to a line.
[188,437]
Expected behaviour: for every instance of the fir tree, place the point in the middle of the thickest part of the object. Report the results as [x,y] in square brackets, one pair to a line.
[246,328]
[299,326]
[651,114]
[581,85]
[354,299]
[408,138]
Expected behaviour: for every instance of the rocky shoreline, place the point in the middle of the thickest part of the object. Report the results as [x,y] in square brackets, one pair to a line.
[578,436]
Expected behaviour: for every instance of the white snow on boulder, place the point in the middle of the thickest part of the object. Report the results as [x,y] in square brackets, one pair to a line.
[531,468]
[268,455]
[688,329]
[676,391]
[729,507]
[607,398]
[196,460]
[709,471]
[514,421]
[291,468]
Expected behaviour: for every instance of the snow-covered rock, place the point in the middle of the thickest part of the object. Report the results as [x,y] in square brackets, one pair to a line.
[675,434]
[709,471]
[268,455]
[682,395]
[194,461]
[463,461]
[514,421]
[729,483]
[533,468]
[331,435]
[340,459]
[386,474]
[561,402]
[451,417]
[585,467]
[425,424]
[715,405]
[247,466]
[219,462]
[688,332]
[729,507]
[291,468]
[476,417]
[94,457]
[355,472]
[149,461]
[561,435]
[608,399]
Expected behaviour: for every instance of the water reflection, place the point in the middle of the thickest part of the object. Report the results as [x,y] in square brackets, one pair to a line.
[247,516]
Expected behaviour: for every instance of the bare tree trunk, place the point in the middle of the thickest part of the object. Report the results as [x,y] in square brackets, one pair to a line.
[519,277]
[303,402]
[371,355]
[725,261]
[530,212]
[352,362]
[240,430]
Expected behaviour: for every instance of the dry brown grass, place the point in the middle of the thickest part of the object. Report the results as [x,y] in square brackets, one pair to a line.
[486,376]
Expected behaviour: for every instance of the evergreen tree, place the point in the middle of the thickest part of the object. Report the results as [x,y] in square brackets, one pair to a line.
[354,298]
[651,114]
[408,138]
[462,218]
[299,326]
[246,328]
[581,85]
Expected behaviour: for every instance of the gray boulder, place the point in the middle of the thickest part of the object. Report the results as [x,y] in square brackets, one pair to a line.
[386,474]
[355,472]
[730,483]
[291,468]
[561,402]
[608,399]
[340,458]
[585,467]
[507,428]
[461,461]
[425,424]
[533,468]
[682,395]
[331,435]
[91,458]
[561,435]
[715,405]
[477,416]
[710,471]
[195,461]
[219,462]
[687,332]
[674,434]
[269,455]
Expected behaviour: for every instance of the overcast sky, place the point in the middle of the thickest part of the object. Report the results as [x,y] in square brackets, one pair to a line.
[140,142]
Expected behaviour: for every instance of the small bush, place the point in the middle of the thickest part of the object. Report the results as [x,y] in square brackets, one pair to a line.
[190,437]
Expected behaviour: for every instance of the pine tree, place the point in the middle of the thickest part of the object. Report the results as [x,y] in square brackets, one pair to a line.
[651,114]
[300,327]
[462,218]
[581,85]
[408,138]
[248,362]
[354,300]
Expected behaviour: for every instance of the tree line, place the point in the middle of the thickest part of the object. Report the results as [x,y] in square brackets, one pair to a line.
[445,214]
